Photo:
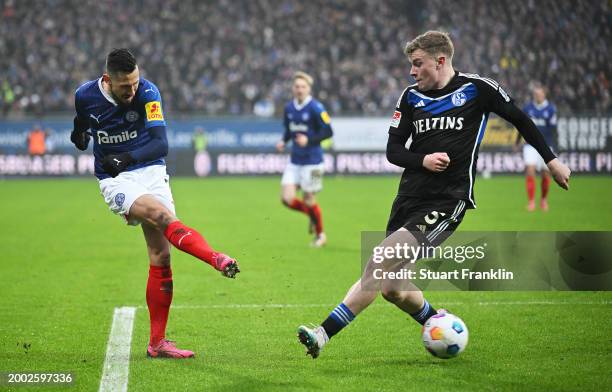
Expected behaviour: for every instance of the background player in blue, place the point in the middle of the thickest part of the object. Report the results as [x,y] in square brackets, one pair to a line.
[124,114]
[544,116]
[307,123]
[445,114]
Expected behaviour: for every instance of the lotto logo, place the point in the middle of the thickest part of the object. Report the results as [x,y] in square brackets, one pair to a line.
[154,112]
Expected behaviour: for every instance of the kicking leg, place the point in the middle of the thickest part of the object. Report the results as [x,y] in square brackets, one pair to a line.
[403,294]
[153,213]
[545,186]
[159,295]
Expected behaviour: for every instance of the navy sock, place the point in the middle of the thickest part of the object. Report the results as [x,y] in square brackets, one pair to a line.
[424,314]
[339,318]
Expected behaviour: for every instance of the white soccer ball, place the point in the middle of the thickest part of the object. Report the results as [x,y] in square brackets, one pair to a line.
[445,335]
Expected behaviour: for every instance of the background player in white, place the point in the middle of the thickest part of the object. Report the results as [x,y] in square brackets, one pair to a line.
[307,123]
[124,113]
[544,115]
[445,114]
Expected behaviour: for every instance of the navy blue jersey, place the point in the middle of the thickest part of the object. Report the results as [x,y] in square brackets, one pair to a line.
[311,119]
[117,128]
[544,116]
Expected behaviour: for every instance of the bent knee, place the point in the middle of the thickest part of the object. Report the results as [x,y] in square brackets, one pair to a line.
[161,259]
[285,201]
[391,294]
[161,216]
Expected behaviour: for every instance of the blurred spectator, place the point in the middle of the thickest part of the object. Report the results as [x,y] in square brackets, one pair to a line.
[36,141]
[222,57]
[264,107]
[199,141]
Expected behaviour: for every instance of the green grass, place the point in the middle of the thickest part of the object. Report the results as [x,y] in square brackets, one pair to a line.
[67,262]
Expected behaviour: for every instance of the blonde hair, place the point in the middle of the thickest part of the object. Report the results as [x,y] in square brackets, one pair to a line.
[304,76]
[433,43]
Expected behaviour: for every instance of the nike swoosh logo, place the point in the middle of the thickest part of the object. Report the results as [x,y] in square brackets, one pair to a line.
[181,239]
[149,89]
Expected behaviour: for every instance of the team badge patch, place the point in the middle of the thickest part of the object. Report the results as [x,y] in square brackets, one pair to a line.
[132,116]
[154,111]
[325,117]
[119,199]
[458,99]
[395,120]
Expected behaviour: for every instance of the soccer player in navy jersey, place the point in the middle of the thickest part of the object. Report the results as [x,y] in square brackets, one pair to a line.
[445,113]
[544,115]
[124,115]
[307,124]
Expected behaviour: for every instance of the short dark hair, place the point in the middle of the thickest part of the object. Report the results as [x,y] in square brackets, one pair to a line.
[433,43]
[120,60]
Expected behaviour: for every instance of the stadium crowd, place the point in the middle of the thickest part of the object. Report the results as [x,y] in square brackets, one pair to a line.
[235,57]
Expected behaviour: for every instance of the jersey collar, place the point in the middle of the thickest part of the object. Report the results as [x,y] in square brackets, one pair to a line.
[541,105]
[303,105]
[105,94]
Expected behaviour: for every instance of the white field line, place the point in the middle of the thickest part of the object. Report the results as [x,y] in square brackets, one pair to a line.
[455,303]
[117,362]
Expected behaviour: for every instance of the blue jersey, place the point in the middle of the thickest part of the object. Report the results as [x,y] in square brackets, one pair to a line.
[119,128]
[544,116]
[311,119]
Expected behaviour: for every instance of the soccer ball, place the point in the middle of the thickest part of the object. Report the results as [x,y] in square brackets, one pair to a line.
[445,335]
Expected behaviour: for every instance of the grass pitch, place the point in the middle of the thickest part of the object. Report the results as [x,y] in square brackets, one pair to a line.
[67,262]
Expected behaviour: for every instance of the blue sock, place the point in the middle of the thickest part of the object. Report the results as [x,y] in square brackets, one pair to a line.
[339,318]
[424,314]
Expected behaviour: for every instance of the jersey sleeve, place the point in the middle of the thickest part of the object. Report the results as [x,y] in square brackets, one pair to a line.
[81,120]
[494,99]
[286,133]
[552,120]
[492,96]
[152,103]
[322,124]
[78,106]
[401,121]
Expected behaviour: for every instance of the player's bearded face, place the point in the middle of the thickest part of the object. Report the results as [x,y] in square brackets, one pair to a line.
[300,89]
[424,70]
[123,86]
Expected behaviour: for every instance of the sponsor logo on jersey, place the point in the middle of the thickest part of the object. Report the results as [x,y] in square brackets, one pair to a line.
[325,117]
[458,99]
[305,116]
[154,111]
[132,116]
[440,123]
[295,127]
[105,138]
[395,120]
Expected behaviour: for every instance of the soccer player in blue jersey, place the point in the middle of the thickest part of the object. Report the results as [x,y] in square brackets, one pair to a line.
[544,115]
[124,115]
[307,124]
[445,113]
